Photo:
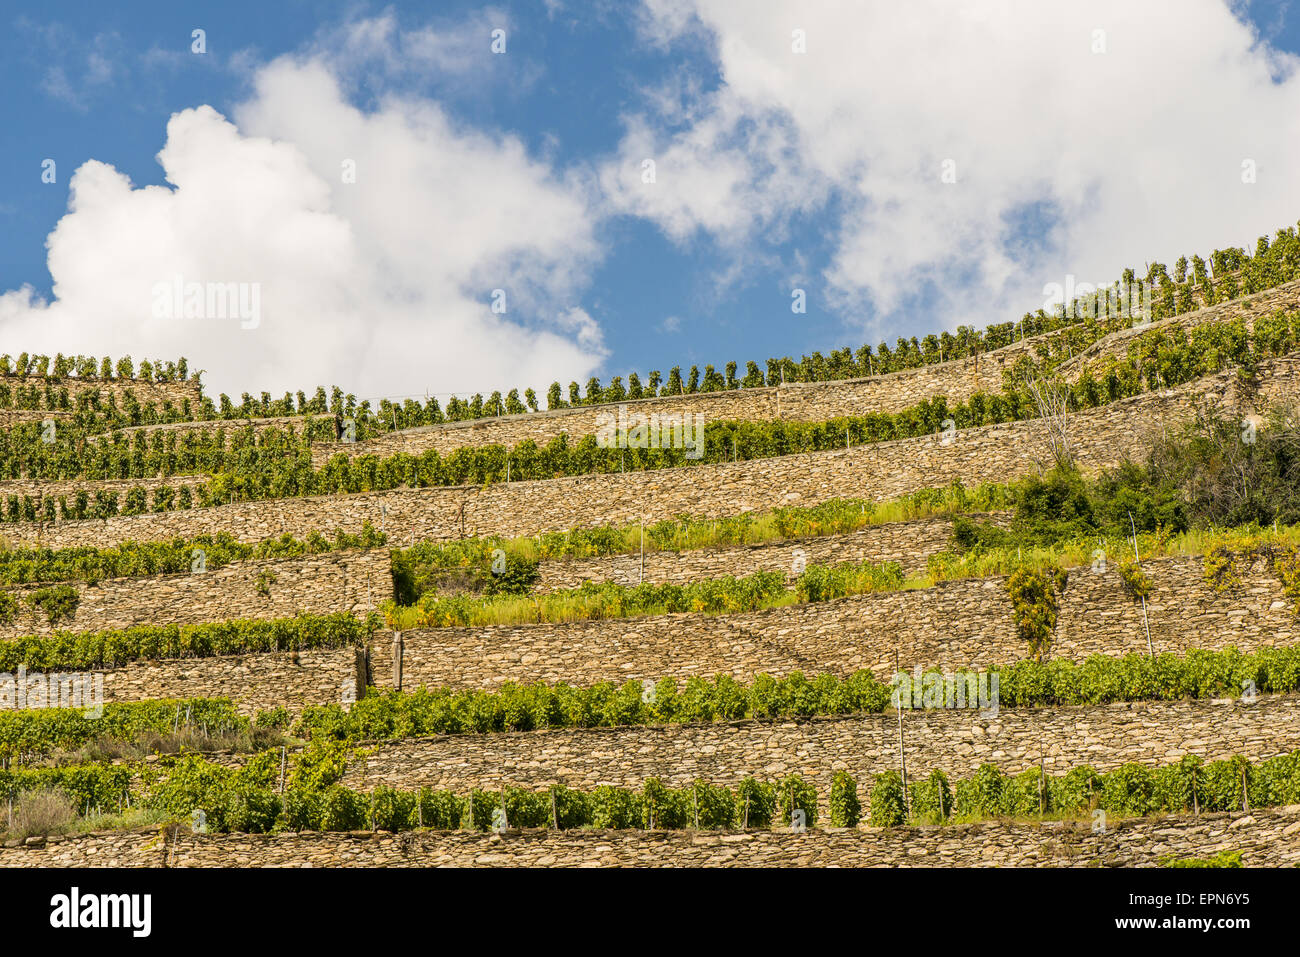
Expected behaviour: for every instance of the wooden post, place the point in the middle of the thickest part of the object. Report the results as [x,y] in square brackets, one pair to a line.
[1042,773]
[1145,623]
[642,550]
[902,757]
[398,647]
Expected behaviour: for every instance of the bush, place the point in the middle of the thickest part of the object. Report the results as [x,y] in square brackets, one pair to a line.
[616,808]
[756,803]
[792,794]
[715,806]
[41,813]
[887,807]
[440,810]
[931,799]
[846,810]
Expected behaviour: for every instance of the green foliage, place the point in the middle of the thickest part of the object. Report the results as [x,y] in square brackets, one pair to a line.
[846,809]
[135,559]
[1286,565]
[616,808]
[1135,580]
[755,803]
[1224,858]
[887,806]
[1221,570]
[56,602]
[1129,790]
[602,600]
[29,735]
[8,608]
[931,799]
[793,793]
[1034,606]
[385,714]
[107,649]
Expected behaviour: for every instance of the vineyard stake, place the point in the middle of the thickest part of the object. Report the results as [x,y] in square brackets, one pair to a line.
[1145,623]
[902,757]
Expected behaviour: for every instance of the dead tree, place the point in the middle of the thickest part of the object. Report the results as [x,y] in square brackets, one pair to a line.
[1052,398]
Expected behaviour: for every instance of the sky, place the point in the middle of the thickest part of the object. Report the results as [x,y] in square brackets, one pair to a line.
[413,199]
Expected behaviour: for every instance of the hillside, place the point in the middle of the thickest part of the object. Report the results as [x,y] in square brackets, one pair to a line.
[945,612]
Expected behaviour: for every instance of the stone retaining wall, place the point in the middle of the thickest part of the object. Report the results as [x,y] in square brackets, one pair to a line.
[356,581]
[1266,838]
[1100,438]
[908,543]
[958,624]
[957,742]
[954,625]
[144,392]
[255,682]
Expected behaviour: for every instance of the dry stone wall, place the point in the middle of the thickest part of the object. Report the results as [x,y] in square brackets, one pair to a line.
[954,741]
[958,624]
[1100,438]
[962,624]
[354,581]
[144,392]
[255,682]
[908,543]
[1266,838]
[12,417]
[53,488]
[209,426]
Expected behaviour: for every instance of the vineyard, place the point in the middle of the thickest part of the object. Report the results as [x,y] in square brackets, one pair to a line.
[1035,580]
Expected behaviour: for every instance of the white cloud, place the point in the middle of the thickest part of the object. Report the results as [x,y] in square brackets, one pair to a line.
[382,286]
[1133,153]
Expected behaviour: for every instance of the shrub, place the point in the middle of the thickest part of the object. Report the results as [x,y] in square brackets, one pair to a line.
[1135,580]
[41,813]
[887,807]
[931,799]
[1034,606]
[755,803]
[846,810]
[57,602]
[792,794]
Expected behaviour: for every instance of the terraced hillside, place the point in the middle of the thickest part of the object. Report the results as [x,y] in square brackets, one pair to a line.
[1020,597]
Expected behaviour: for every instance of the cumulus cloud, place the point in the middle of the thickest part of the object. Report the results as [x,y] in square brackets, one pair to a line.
[1101,158]
[384,284]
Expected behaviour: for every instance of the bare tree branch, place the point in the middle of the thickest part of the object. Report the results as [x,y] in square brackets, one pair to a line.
[1053,401]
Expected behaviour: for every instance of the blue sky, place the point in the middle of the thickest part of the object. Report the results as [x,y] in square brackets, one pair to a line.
[775,171]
